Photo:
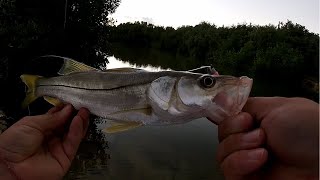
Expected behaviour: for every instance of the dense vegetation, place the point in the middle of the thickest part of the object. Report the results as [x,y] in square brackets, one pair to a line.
[32,28]
[285,55]
[287,49]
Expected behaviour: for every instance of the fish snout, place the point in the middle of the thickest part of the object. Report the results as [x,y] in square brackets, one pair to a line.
[245,85]
[232,99]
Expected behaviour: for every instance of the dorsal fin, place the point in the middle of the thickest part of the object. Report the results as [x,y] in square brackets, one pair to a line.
[71,66]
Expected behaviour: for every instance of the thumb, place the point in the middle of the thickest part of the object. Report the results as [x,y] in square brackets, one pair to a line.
[50,121]
[259,107]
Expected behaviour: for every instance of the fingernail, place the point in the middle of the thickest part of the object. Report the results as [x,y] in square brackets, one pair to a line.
[67,108]
[256,154]
[252,136]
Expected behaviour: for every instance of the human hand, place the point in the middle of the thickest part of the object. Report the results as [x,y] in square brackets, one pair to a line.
[36,147]
[285,146]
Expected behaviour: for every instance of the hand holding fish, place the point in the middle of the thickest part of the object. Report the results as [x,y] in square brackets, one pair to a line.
[285,146]
[33,148]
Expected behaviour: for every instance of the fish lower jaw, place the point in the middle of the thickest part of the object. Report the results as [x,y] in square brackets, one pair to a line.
[218,114]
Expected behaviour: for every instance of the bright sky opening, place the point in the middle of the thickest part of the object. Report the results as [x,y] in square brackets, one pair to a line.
[176,13]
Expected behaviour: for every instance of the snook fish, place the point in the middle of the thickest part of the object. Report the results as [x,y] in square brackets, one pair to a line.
[134,97]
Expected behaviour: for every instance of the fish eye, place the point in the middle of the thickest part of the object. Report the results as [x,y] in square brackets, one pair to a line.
[207,81]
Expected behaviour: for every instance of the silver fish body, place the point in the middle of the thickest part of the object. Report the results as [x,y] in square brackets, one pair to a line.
[157,98]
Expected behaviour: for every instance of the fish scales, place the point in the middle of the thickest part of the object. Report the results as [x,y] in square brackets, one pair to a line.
[105,80]
[99,101]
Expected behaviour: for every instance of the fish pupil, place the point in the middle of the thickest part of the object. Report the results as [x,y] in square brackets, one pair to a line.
[207,81]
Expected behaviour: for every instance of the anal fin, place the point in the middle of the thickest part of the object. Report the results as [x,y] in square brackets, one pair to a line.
[123,126]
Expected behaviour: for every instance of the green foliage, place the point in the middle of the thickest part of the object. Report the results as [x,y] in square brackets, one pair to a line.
[287,52]
[32,28]
[66,27]
[284,50]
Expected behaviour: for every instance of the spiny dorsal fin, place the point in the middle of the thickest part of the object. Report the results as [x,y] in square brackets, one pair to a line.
[71,66]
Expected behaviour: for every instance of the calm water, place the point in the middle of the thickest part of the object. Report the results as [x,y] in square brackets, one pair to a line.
[184,151]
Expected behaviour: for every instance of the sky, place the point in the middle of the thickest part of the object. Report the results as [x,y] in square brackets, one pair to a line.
[176,13]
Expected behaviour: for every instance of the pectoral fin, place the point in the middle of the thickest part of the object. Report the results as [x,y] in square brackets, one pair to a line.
[141,114]
[119,127]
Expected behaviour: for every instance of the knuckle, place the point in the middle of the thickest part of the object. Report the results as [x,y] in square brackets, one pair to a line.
[237,142]
[26,118]
[245,116]
[238,124]
[229,145]
[228,165]
[232,165]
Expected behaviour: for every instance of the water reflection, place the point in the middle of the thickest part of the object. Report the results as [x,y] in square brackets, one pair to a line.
[93,154]
[174,152]
[185,151]
[116,63]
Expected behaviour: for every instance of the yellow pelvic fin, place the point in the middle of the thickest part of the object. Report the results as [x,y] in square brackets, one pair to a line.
[119,127]
[53,101]
[71,66]
[30,81]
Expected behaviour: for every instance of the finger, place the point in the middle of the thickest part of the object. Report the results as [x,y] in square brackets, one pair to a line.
[55,109]
[240,141]
[211,120]
[56,150]
[49,122]
[240,123]
[72,140]
[84,113]
[242,163]
[259,107]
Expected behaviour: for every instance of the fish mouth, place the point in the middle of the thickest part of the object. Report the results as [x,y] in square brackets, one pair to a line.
[231,100]
[244,89]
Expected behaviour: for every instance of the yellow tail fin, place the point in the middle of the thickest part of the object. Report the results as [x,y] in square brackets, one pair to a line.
[30,81]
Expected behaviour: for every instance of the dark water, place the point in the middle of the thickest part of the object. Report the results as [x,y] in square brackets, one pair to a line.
[184,151]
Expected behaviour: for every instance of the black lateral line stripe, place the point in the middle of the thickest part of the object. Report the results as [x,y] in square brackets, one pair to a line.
[89,89]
